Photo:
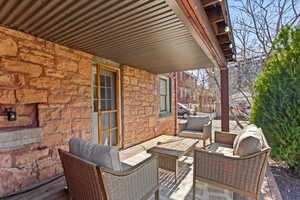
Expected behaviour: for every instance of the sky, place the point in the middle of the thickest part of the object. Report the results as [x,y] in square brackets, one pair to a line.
[272,16]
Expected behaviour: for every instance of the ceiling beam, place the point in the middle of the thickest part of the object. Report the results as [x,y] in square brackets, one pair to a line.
[210,3]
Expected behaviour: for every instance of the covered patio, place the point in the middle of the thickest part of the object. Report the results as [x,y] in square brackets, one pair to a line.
[169,189]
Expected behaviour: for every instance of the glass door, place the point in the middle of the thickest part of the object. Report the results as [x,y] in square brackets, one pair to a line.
[106,105]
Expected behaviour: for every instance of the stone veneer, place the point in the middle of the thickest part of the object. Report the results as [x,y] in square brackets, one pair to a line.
[57,80]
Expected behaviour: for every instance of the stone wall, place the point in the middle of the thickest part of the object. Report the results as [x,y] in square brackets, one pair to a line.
[55,80]
[140,100]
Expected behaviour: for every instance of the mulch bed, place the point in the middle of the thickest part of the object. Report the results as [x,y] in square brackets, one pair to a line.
[288,182]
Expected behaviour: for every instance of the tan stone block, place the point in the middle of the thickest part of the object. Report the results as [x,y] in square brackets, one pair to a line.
[85,67]
[30,156]
[50,140]
[45,83]
[59,98]
[76,113]
[80,80]
[11,81]
[67,84]
[81,124]
[85,91]
[81,102]
[54,73]
[7,97]
[65,92]
[66,64]
[23,67]
[86,113]
[24,109]
[38,59]
[57,126]
[5,160]
[27,96]
[66,52]
[16,33]
[8,47]
[46,173]
[133,81]
[67,114]
[26,45]
[50,114]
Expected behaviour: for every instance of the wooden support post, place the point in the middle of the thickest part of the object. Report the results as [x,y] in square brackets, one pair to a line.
[224,100]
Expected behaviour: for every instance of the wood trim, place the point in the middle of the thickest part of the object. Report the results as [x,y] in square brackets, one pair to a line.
[112,69]
[108,111]
[109,129]
[211,3]
[98,81]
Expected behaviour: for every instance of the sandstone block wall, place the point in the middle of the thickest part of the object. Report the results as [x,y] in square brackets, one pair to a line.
[141,102]
[54,80]
[38,76]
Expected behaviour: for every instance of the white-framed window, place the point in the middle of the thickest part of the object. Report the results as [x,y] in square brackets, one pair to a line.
[165,95]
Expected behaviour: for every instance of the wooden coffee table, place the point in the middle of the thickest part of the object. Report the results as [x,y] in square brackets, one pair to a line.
[171,150]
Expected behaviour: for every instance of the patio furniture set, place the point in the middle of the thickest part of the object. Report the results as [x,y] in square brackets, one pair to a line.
[236,162]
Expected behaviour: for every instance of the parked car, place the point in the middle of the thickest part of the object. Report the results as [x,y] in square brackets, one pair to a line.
[183,111]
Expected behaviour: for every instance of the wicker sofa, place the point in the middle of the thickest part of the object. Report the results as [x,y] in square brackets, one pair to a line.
[197,127]
[94,171]
[235,162]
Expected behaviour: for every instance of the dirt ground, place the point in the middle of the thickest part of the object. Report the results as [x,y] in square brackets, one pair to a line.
[287,181]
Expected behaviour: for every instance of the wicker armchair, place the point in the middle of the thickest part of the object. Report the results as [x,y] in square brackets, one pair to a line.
[88,181]
[240,174]
[197,128]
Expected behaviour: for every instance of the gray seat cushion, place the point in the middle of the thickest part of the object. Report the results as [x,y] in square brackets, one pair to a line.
[196,123]
[191,134]
[101,155]
[224,149]
[250,141]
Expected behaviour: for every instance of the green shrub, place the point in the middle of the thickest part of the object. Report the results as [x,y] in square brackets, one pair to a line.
[276,107]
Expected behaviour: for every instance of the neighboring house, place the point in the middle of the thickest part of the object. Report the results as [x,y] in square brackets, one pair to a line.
[206,99]
[187,91]
[102,73]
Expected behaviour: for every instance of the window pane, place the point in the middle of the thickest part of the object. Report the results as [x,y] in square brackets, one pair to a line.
[163,105]
[102,80]
[114,137]
[163,87]
[108,93]
[105,138]
[103,96]
[103,105]
[113,120]
[113,92]
[108,79]
[104,121]
[108,105]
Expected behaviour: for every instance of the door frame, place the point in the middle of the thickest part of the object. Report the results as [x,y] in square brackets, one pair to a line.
[118,101]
